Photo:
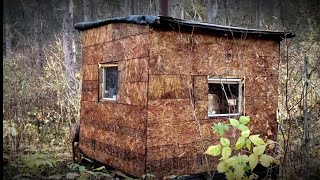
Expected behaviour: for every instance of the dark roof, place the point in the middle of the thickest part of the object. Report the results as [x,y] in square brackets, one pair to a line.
[164,21]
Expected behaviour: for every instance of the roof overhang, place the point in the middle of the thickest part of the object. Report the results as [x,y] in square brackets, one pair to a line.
[174,23]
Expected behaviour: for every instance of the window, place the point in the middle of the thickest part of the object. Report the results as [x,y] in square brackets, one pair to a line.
[109,81]
[224,97]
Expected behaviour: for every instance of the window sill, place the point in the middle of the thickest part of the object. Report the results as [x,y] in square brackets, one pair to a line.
[108,100]
[223,115]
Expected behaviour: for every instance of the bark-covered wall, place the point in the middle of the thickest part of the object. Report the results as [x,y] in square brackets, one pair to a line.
[179,130]
[114,132]
[159,123]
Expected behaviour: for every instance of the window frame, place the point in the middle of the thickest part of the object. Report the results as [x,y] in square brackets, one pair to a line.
[240,96]
[103,67]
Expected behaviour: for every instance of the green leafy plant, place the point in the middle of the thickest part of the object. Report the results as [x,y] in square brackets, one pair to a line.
[249,150]
[38,162]
[83,173]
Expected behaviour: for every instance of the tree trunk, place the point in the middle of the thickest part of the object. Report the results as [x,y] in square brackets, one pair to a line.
[86,10]
[306,138]
[276,22]
[177,10]
[69,45]
[38,34]
[7,31]
[163,7]
[212,6]
[225,5]
[130,5]
[258,14]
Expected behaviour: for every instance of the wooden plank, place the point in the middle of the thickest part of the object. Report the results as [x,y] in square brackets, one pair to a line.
[87,110]
[134,93]
[90,72]
[133,47]
[219,62]
[165,41]
[134,117]
[201,87]
[134,166]
[169,87]
[134,70]
[168,133]
[170,62]
[97,35]
[169,111]
[261,47]
[89,91]
[115,138]
[123,30]
[92,55]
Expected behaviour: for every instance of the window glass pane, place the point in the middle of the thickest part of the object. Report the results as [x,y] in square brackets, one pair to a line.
[223,98]
[110,82]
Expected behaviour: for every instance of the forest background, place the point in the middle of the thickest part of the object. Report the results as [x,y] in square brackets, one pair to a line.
[42,76]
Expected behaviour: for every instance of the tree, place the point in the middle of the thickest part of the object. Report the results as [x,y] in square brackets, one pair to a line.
[226,13]
[176,9]
[68,44]
[37,32]
[86,10]
[276,23]
[7,31]
[258,14]
[163,7]
[212,6]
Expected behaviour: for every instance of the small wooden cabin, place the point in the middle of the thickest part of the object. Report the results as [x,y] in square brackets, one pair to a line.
[153,86]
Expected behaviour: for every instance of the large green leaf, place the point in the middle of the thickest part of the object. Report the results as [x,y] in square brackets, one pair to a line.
[240,142]
[232,161]
[258,150]
[245,133]
[224,141]
[214,150]
[248,144]
[222,167]
[253,161]
[234,122]
[266,160]
[244,119]
[244,158]
[242,127]
[230,175]
[226,152]
[220,128]
[238,172]
[256,140]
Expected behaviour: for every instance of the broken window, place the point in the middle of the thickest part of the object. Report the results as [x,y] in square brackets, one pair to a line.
[109,81]
[224,97]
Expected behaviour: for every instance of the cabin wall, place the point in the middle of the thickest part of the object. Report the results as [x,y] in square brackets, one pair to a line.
[179,130]
[114,132]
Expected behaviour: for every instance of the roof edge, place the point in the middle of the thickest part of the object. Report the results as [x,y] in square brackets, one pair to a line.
[158,21]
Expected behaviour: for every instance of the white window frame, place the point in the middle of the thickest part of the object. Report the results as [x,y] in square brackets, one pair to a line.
[228,81]
[104,67]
